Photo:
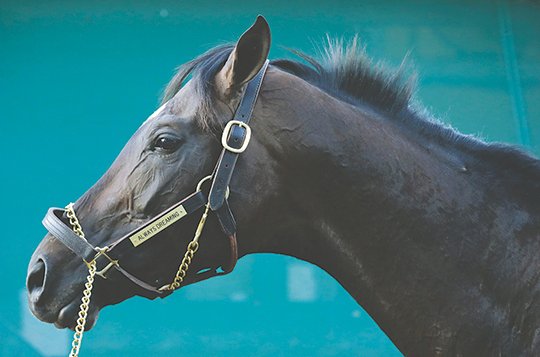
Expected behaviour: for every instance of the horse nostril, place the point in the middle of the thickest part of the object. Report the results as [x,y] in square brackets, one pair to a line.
[36,279]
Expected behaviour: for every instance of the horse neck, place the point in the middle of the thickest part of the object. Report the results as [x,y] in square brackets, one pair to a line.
[414,231]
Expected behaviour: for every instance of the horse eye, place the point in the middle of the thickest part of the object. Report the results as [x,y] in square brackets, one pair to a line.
[167,143]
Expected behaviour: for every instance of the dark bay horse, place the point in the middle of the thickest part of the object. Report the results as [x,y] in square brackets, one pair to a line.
[435,234]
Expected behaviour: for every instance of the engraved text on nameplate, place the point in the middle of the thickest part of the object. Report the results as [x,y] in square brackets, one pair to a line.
[160,224]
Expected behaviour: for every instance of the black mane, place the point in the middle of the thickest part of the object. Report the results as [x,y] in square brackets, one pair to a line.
[346,72]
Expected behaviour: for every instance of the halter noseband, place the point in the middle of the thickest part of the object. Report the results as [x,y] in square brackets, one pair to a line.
[235,139]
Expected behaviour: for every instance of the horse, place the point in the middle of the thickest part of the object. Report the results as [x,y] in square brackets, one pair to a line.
[435,234]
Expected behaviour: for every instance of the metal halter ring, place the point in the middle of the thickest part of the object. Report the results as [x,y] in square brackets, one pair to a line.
[227,131]
[102,252]
[206,178]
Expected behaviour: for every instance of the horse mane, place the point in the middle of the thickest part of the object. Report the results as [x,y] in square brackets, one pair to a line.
[345,72]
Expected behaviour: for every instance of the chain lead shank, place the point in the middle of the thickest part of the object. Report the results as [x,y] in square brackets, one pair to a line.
[192,248]
[87,292]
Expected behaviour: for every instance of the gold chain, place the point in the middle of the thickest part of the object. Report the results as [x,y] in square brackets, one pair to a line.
[192,248]
[87,292]
[74,221]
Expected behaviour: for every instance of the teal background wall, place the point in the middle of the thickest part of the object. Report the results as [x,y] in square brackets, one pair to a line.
[77,78]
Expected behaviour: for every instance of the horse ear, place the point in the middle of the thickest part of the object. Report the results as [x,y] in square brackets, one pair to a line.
[246,59]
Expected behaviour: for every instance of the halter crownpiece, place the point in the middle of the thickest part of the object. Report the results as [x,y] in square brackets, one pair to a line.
[104,261]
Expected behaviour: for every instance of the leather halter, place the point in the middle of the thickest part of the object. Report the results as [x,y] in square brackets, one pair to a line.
[235,139]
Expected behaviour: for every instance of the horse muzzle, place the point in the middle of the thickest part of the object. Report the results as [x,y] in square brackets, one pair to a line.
[48,299]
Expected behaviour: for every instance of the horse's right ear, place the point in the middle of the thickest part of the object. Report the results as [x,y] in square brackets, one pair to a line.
[245,60]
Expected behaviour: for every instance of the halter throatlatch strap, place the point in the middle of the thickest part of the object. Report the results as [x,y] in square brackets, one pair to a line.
[233,254]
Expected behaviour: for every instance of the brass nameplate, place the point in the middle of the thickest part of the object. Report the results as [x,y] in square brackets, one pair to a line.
[160,224]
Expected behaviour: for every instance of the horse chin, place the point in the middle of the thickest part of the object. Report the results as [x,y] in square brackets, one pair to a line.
[68,315]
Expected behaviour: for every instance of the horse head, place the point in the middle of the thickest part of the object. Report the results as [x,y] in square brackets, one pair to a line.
[163,162]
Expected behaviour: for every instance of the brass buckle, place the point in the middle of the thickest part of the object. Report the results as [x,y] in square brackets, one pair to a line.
[102,252]
[227,131]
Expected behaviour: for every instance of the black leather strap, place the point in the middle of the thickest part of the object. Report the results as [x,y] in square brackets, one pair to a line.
[191,204]
[226,219]
[227,159]
[65,234]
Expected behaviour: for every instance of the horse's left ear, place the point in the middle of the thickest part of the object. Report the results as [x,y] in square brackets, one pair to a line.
[246,59]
